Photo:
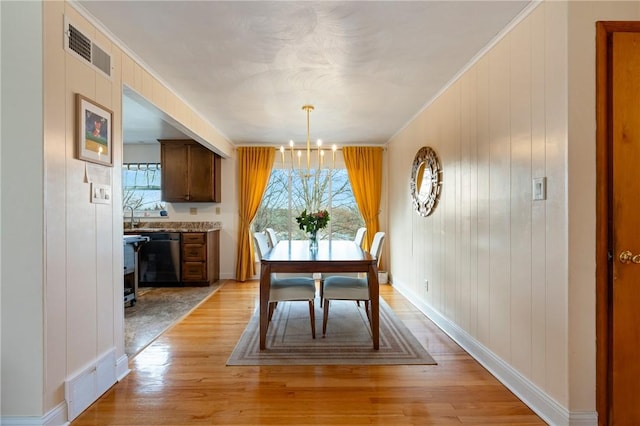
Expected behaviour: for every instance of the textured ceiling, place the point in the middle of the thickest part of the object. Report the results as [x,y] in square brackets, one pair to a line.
[249,67]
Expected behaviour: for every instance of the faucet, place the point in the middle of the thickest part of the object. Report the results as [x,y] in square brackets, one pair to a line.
[133,219]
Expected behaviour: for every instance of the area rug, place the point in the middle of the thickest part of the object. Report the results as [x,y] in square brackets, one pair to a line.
[157,309]
[347,342]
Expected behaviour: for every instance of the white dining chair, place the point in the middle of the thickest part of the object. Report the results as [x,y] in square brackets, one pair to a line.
[359,239]
[350,288]
[360,234]
[289,289]
[273,238]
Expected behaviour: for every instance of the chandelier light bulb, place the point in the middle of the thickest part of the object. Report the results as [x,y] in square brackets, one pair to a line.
[333,154]
[291,145]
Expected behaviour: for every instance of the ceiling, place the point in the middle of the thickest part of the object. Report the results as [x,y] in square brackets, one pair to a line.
[249,67]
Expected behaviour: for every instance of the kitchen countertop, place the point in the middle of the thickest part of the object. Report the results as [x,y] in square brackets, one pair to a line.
[172,227]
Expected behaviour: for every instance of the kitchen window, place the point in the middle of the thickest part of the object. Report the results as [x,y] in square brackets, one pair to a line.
[141,189]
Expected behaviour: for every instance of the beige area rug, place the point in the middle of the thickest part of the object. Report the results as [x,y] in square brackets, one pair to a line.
[157,309]
[347,342]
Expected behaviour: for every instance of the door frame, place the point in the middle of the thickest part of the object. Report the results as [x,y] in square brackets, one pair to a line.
[604,214]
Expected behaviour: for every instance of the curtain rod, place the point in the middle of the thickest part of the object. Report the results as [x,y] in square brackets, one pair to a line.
[313,148]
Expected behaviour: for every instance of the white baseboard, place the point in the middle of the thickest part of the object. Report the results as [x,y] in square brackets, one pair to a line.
[55,417]
[94,381]
[122,367]
[85,388]
[540,402]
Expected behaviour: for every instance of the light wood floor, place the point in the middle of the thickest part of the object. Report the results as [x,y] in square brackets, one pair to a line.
[181,379]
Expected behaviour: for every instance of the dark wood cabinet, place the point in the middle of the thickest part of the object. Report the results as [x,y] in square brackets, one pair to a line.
[200,257]
[190,172]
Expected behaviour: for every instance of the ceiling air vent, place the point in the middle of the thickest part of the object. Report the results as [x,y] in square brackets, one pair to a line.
[85,49]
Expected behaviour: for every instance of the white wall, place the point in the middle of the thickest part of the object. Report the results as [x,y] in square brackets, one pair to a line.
[62,309]
[22,200]
[513,278]
[487,249]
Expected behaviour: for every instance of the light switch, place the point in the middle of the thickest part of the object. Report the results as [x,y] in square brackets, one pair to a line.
[100,194]
[539,188]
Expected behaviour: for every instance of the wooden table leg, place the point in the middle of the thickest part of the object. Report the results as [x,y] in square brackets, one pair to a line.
[265,285]
[374,293]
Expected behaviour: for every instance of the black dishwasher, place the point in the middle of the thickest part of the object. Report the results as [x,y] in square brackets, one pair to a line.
[159,260]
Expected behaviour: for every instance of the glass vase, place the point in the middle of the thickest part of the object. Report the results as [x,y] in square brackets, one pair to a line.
[313,240]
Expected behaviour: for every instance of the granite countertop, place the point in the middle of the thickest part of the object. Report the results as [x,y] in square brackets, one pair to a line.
[171,227]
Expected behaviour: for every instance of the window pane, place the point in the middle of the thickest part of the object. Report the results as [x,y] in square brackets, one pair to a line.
[141,187]
[289,192]
[274,210]
[345,215]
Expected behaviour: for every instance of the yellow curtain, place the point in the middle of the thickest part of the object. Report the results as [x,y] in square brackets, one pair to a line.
[364,165]
[254,169]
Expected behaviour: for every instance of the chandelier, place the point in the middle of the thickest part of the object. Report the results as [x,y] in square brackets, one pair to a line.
[307,174]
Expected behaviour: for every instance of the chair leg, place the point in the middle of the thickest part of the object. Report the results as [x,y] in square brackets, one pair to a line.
[321,291]
[366,308]
[324,317]
[312,315]
[271,309]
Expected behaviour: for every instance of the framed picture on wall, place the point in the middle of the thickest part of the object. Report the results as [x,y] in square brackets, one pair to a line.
[94,130]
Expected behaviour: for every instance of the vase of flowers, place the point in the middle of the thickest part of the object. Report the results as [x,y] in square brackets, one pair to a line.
[311,223]
[313,240]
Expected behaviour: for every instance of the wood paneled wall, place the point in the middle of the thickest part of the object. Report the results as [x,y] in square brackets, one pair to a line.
[495,260]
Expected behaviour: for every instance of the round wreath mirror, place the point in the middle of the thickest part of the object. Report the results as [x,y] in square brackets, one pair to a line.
[425,181]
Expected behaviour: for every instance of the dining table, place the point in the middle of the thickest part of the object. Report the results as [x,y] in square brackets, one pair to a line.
[331,256]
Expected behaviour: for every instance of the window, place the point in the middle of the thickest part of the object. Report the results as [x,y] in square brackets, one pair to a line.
[289,192]
[141,187]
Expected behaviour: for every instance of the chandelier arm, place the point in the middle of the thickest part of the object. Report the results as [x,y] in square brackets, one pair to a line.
[308,109]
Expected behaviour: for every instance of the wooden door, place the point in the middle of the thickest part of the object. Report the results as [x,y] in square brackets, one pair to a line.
[618,224]
[625,291]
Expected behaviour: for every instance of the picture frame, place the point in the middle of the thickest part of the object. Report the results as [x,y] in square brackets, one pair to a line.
[94,131]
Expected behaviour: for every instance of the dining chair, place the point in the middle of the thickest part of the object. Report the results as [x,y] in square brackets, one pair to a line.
[359,239]
[273,238]
[350,288]
[360,234]
[289,289]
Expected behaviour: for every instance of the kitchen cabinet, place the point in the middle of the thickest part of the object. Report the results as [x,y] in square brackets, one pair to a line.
[190,172]
[200,258]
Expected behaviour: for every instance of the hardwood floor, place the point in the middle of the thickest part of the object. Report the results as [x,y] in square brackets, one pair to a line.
[182,379]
